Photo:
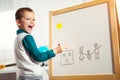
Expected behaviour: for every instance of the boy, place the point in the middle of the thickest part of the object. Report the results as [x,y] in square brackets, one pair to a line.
[27,54]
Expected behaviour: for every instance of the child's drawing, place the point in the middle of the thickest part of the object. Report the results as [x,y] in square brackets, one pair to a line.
[96,50]
[89,55]
[81,57]
[67,58]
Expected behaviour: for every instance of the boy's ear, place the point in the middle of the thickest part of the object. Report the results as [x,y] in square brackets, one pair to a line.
[18,22]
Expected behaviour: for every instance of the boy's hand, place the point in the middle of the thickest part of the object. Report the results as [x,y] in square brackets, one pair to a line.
[58,49]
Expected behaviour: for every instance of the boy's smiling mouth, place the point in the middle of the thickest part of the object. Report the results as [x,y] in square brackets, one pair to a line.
[30,26]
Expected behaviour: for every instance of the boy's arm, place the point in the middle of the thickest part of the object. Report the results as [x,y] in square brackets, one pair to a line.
[30,46]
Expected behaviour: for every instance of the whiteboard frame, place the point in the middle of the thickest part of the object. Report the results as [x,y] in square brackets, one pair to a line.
[114,42]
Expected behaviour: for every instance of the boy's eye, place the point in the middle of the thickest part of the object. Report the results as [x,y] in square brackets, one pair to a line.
[33,19]
[27,19]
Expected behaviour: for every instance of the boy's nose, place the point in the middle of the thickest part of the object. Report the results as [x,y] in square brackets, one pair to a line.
[32,21]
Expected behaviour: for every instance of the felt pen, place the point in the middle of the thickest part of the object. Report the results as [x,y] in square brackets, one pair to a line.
[8,65]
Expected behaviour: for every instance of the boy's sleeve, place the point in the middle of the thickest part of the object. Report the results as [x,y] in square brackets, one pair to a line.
[30,46]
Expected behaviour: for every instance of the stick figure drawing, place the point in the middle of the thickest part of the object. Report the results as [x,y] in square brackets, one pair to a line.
[96,51]
[81,57]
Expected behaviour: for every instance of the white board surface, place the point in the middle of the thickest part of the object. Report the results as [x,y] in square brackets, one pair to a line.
[85,36]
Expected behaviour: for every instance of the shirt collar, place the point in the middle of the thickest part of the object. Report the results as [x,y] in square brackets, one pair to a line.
[20,31]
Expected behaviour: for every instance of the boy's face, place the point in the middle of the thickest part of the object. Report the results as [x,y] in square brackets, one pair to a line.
[27,22]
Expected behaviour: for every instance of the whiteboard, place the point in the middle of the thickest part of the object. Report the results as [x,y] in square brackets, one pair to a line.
[81,31]
[85,37]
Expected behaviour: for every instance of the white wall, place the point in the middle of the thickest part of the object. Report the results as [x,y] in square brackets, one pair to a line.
[7,36]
